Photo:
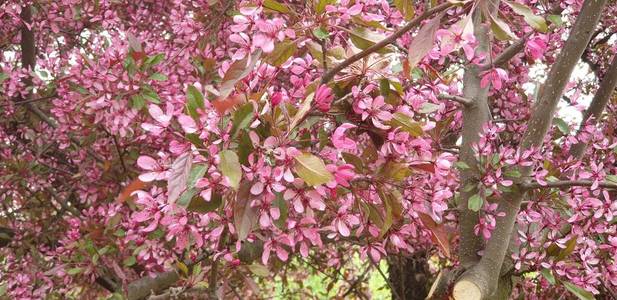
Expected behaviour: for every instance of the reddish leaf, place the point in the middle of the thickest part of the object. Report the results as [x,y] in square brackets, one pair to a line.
[424,166]
[129,189]
[236,72]
[180,170]
[245,216]
[439,234]
[423,42]
[222,106]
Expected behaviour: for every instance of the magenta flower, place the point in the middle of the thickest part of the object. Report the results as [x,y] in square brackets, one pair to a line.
[345,220]
[323,98]
[375,109]
[495,77]
[340,141]
[157,172]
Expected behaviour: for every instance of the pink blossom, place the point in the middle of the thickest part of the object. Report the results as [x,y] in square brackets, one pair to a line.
[323,98]
[495,77]
[339,139]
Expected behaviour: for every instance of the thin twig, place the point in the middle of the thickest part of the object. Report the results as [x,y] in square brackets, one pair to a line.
[390,39]
[568,184]
[352,287]
[119,154]
[22,102]
[394,291]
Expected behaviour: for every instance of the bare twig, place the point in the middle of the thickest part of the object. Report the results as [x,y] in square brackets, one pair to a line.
[568,184]
[387,280]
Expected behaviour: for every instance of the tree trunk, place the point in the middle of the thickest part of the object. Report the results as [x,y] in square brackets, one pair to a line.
[409,276]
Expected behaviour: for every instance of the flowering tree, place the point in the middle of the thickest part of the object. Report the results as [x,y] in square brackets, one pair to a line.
[159,149]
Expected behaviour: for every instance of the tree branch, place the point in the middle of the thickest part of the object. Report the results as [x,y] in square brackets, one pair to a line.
[390,39]
[567,184]
[480,282]
[462,100]
[508,53]
[474,118]
[597,106]
[147,285]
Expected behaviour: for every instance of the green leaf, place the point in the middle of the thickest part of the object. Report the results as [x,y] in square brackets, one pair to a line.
[555,19]
[200,205]
[578,291]
[259,270]
[242,119]
[158,77]
[428,108]
[611,178]
[276,6]
[364,38]
[320,6]
[537,22]
[407,124]
[230,167]
[74,271]
[302,111]
[184,269]
[501,29]
[395,171]
[194,100]
[197,172]
[154,60]
[245,147]
[312,169]
[356,161]
[562,125]
[570,246]
[406,8]
[321,33]
[137,102]
[280,202]
[514,173]
[461,165]
[548,274]
[475,202]
[149,94]
[3,77]
[129,261]
[281,53]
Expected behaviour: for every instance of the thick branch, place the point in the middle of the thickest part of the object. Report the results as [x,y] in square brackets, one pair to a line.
[481,281]
[597,106]
[568,184]
[385,42]
[474,118]
[147,285]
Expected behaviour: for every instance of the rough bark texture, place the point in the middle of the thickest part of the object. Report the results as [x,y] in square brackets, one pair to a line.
[482,279]
[409,276]
[474,117]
